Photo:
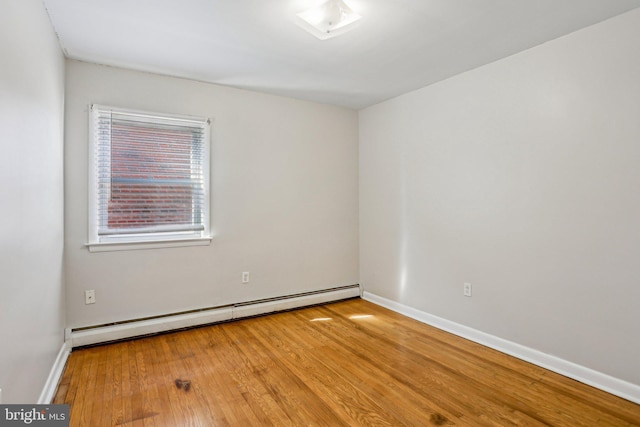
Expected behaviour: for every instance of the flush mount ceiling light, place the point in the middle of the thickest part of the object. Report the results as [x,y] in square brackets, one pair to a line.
[330,19]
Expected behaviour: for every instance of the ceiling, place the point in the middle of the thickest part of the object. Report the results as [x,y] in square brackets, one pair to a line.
[398,45]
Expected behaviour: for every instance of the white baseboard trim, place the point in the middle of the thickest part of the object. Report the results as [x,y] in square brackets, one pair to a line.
[49,390]
[577,372]
[103,334]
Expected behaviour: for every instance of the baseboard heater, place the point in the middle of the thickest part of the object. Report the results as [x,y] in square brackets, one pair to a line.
[99,334]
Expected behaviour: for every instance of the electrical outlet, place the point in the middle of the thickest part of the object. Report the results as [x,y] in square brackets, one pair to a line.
[467,289]
[90,297]
[245,277]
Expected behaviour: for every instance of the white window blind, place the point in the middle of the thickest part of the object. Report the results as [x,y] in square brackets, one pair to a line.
[149,176]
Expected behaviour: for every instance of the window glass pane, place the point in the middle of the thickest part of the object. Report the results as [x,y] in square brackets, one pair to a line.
[151,174]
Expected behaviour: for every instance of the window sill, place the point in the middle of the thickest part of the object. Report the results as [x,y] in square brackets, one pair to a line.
[155,244]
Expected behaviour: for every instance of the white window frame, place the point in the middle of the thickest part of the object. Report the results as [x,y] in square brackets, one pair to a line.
[133,241]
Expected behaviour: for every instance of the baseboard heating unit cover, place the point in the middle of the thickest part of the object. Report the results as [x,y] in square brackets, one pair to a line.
[98,334]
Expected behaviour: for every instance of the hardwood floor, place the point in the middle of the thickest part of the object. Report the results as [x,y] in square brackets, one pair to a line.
[350,363]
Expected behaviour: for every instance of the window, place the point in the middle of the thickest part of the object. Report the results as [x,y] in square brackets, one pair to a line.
[149,178]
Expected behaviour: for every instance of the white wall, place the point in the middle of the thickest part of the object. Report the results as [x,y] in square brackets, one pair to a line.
[31,194]
[523,178]
[284,200]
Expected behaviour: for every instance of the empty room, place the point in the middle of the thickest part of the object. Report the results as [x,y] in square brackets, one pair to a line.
[320,212]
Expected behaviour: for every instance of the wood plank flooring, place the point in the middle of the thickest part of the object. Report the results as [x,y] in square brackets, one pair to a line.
[350,363]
